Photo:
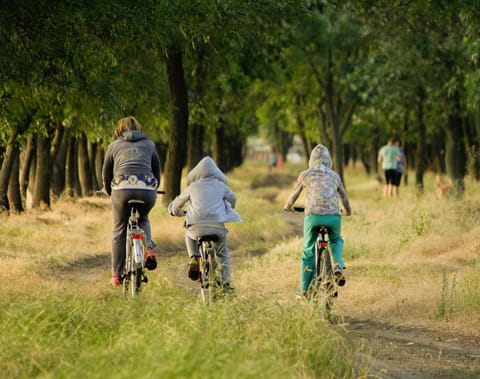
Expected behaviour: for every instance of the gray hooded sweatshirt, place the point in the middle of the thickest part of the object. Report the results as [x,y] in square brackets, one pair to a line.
[209,199]
[131,154]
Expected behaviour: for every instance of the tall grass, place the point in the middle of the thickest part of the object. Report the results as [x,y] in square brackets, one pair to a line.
[166,333]
[59,318]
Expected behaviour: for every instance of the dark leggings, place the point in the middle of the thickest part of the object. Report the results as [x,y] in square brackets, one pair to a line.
[121,213]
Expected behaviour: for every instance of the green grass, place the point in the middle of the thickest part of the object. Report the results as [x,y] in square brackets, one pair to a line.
[166,333]
[59,318]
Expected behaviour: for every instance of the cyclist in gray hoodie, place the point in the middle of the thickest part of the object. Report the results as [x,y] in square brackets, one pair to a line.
[131,170]
[210,205]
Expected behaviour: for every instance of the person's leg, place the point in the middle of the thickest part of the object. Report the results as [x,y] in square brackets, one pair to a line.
[192,246]
[120,220]
[149,197]
[336,242]
[308,254]
[385,187]
[222,252]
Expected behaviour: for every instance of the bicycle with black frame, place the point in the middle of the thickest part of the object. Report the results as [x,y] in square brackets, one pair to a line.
[323,290]
[210,268]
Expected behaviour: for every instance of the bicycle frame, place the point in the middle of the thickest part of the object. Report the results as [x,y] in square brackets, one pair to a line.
[134,273]
[209,267]
[324,286]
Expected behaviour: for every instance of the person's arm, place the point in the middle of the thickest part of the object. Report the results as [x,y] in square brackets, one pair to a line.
[295,194]
[230,197]
[175,208]
[107,172]
[156,167]
[345,201]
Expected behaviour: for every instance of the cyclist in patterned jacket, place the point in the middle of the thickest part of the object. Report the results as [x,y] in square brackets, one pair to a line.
[324,189]
[131,170]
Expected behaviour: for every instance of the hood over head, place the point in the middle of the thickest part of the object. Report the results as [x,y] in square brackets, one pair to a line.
[206,168]
[320,156]
[133,135]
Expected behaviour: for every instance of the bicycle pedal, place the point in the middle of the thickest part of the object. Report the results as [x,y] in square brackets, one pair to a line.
[144,279]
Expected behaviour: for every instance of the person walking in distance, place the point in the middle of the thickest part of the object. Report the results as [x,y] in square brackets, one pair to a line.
[210,204]
[388,158]
[131,170]
[402,168]
[324,189]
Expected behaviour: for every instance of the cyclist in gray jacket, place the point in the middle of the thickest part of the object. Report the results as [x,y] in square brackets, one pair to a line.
[210,205]
[131,170]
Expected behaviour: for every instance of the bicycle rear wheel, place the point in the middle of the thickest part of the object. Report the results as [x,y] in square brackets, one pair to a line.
[324,283]
[208,269]
[129,259]
[132,279]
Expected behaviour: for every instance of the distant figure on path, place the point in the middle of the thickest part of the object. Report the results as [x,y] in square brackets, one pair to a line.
[388,157]
[401,166]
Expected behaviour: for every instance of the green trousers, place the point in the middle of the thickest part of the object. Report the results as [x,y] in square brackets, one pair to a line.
[310,224]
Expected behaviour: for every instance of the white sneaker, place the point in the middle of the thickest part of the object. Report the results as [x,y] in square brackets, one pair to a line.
[339,275]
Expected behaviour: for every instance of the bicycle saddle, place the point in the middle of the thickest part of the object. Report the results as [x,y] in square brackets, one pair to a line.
[211,237]
[134,201]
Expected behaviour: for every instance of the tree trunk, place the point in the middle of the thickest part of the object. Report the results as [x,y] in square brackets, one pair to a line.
[421,141]
[219,146]
[29,156]
[71,168]
[196,134]
[58,179]
[307,146]
[14,193]
[178,127]
[99,158]
[41,191]
[84,169]
[455,155]
[196,131]
[92,155]
[5,171]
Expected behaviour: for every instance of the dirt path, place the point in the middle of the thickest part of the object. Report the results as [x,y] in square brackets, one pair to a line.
[394,351]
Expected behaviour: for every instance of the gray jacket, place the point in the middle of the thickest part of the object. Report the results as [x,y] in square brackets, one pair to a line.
[209,199]
[131,154]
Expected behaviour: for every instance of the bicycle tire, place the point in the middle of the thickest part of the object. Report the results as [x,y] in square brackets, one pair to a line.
[208,272]
[323,283]
[139,253]
[127,275]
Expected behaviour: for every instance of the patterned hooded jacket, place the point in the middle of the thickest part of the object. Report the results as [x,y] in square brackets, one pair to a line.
[209,199]
[323,185]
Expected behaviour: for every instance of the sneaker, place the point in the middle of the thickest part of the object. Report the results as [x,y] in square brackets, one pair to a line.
[301,296]
[227,288]
[116,281]
[194,269]
[150,259]
[339,275]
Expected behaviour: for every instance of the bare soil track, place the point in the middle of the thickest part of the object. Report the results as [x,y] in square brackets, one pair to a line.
[394,351]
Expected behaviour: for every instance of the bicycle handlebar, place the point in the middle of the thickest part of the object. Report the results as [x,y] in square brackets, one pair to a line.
[298,209]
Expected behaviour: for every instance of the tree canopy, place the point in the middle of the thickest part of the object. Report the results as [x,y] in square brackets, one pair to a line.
[204,75]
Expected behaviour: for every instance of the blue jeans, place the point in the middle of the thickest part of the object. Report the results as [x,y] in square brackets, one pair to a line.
[310,223]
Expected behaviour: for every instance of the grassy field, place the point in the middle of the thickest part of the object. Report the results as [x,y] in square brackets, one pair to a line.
[412,260]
